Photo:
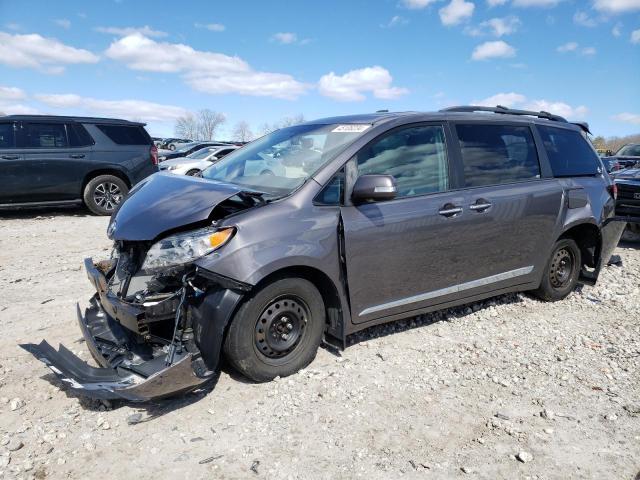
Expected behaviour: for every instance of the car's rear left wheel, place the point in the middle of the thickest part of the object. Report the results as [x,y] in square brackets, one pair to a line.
[104,193]
[562,271]
[277,331]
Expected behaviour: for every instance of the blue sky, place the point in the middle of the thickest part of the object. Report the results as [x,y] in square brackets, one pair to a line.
[260,61]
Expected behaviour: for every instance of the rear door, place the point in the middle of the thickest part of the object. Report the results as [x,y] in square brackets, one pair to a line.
[511,206]
[55,168]
[13,175]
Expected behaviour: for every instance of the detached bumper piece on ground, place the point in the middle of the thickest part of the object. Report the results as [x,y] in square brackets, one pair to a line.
[152,350]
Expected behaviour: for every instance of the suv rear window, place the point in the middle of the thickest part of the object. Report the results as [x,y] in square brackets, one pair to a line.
[569,153]
[126,135]
[497,154]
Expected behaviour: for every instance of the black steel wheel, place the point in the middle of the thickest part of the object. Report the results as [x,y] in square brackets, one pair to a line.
[562,271]
[276,331]
[104,193]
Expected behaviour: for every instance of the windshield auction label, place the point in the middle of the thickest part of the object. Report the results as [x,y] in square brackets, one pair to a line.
[350,128]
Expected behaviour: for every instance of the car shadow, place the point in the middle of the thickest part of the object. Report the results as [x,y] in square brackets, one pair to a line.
[45,212]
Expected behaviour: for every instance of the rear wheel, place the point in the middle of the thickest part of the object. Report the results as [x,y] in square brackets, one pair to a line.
[561,274]
[172,147]
[104,193]
[277,331]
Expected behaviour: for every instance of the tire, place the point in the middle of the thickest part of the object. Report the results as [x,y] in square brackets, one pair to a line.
[104,193]
[277,331]
[172,147]
[192,172]
[561,273]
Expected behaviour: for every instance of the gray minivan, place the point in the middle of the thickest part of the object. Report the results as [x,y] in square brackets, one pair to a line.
[48,160]
[370,218]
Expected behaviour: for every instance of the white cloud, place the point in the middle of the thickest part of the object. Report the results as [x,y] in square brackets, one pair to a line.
[208,72]
[588,51]
[130,109]
[353,85]
[568,47]
[496,26]
[214,27]
[616,31]
[584,20]
[635,37]
[63,22]
[396,21]
[285,38]
[497,49]
[456,12]
[147,31]
[40,53]
[505,99]
[626,117]
[11,93]
[535,3]
[417,4]
[616,6]
[496,3]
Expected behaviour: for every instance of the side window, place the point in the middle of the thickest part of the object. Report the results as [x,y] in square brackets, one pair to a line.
[416,156]
[223,153]
[7,136]
[333,192]
[78,135]
[46,135]
[126,135]
[568,152]
[497,154]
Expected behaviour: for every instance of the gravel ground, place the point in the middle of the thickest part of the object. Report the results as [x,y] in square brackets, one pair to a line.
[507,388]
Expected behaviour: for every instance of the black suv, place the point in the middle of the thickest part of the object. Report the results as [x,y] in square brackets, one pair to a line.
[51,160]
[360,220]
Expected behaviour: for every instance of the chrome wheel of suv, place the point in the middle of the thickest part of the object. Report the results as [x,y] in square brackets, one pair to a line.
[107,195]
[104,193]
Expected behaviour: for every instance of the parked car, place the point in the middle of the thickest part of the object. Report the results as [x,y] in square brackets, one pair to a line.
[51,160]
[374,218]
[627,156]
[173,143]
[188,149]
[194,163]
[628,202]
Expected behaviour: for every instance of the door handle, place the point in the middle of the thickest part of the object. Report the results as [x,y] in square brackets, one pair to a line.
[10,157]
[450,210]
[77,155]
[480,206]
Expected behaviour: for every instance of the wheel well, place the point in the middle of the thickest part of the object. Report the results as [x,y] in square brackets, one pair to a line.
[95,173]
[588,238]
[334,315]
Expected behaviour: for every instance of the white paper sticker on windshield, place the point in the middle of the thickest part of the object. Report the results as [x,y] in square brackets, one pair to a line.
[350,128]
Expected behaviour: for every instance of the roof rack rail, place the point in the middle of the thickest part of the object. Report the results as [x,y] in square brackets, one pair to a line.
[507,111]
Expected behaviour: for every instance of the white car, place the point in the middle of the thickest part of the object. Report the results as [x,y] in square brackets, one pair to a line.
[197,161]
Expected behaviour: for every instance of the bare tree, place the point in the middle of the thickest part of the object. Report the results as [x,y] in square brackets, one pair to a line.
[242,132]
[186,127]
[282,123]
[208,123]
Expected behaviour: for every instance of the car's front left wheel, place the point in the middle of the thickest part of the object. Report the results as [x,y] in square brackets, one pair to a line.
[104,193]
[277,331]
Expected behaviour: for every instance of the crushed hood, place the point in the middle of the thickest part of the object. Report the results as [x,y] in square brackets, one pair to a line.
[165,202]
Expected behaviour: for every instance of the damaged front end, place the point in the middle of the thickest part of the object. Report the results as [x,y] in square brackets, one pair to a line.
[156,323]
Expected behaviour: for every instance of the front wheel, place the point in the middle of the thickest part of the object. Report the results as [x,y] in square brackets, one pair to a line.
[277,331]
[104,193]
[561,274]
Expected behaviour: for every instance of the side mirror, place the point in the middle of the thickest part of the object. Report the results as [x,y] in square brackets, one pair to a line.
[374,188]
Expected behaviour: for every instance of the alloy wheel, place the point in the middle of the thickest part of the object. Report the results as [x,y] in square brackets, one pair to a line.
[107,195]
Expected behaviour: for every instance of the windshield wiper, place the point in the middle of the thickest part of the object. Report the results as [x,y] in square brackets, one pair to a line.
[256,198]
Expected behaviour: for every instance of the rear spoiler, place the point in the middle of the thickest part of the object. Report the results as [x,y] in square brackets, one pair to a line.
[584,126]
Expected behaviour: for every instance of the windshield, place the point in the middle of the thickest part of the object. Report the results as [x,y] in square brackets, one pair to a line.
[280,162]
[202,153]
[629,151]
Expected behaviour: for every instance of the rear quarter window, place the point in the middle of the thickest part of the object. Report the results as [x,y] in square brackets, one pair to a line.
[126,135]
[569,152]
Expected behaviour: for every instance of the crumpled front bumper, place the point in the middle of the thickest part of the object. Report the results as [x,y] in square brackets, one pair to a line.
[129,370]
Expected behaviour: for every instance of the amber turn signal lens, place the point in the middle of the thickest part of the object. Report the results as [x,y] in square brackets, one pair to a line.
[220,237]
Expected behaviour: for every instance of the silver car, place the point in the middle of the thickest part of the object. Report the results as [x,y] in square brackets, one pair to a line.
[197,161]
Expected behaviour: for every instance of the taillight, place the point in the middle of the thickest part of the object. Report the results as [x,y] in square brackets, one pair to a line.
[613,190]
[154,154]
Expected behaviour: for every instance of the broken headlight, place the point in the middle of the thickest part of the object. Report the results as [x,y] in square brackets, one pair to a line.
[185,247]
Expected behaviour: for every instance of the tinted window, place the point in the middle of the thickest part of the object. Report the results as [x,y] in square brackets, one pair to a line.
[78,135]
[332,193]
[126,135]
[46,135]
[629,151]
[415,156]
[7,138]
[224,152]
[496,154]
[569,152]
